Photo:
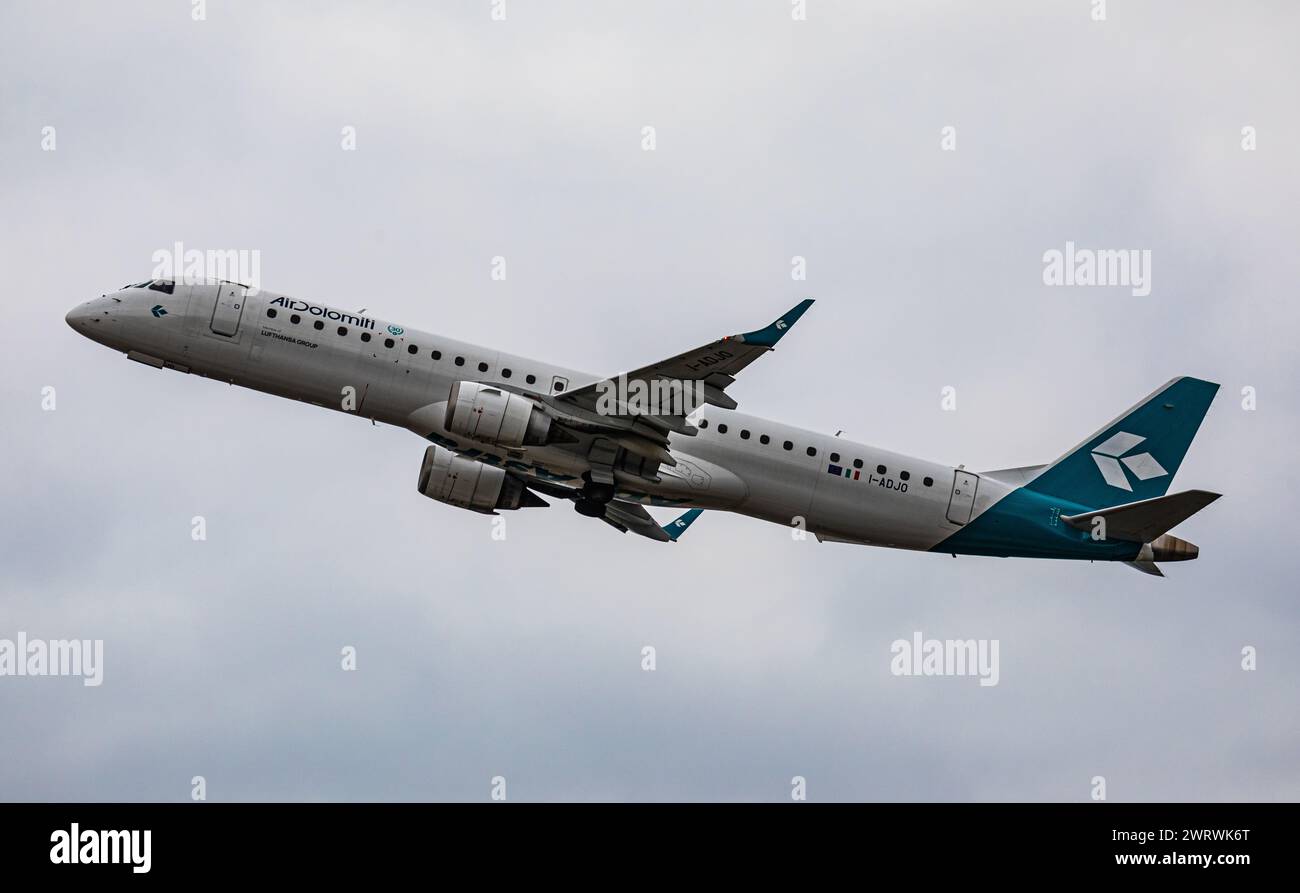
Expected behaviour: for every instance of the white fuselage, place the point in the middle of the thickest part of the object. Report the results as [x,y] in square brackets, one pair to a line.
[736,462]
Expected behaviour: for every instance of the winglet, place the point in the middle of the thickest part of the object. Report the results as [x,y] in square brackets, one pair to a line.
[676,528]
[769,336]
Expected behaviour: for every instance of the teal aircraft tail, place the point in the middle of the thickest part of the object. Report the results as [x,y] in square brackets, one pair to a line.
[1136,456]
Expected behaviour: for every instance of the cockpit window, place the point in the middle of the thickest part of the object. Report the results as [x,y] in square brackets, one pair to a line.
[163,285]
[137,284]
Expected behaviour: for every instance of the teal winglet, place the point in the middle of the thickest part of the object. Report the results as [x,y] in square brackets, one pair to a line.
[769,336]
[676,528]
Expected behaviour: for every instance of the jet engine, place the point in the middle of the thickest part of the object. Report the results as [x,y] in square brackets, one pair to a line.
[470,484]
[491,415]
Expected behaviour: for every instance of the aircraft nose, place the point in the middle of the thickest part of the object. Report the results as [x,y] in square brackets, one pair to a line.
[85,318]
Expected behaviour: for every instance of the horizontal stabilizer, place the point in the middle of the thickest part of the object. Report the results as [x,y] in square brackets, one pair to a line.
[1142,522]
[1147,567]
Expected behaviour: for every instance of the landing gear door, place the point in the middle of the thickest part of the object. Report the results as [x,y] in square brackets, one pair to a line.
[962,501]
[229,308]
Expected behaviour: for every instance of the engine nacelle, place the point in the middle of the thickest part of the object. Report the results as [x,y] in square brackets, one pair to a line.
[491,415]
[470,484]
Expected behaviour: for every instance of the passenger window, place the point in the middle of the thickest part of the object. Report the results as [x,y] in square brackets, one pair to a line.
[437,355]
[365,336]
[857,463]
[722,429]
[530,378]
[412,349]
[505,373]
[704,423]
[295,319]
[460,361]
[788,445]
[880,469]
[744,434]
[343,330]
[270,313]
[318,325]
[812,451]
[904,475]
[764,439]
[929,482]
[835,457]
[389,342]
[482,367]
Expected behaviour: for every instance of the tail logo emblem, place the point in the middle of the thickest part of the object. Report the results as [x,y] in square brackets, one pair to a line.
[1110,453]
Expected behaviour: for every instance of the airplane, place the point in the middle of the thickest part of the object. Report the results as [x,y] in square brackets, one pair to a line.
[506,431]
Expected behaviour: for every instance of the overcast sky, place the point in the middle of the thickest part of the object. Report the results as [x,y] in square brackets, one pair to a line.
[523,139]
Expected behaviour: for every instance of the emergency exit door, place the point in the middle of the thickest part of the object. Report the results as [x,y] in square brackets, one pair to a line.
[962,501]
[229,308]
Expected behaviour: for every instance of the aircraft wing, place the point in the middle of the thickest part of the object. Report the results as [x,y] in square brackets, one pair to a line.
[625,516]
[632,516]
[647,394]
[623,423]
